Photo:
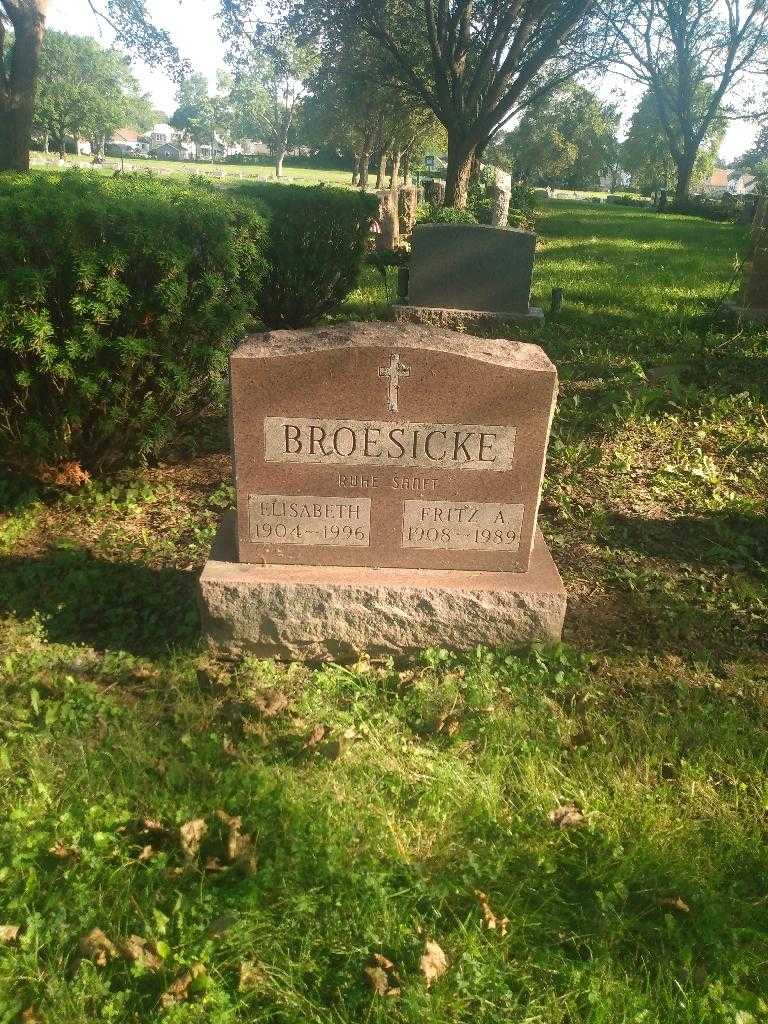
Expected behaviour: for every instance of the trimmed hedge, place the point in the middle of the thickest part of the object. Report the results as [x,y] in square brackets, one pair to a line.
[315,248]
[120,299]
[629,199]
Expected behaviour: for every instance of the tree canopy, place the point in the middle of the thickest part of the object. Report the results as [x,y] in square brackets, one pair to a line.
[567,138]
[85,90]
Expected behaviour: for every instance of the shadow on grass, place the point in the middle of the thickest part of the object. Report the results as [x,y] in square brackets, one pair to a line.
[728,539]
[107,605]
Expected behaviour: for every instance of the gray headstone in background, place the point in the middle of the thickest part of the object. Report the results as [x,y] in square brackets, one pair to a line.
[471,266]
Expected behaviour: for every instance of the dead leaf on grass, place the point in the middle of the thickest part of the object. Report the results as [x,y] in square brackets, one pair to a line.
[191,835]
[378,980]
[675,903]
[97,947]
[433,963]
[447,724]
[65,474]
[382,976]
[178,990]
[567,816]
[271,702]
[316,736]
[240,850]
[252,976]
[214,865]
[9,933]
[31,1016]
[492,923]
[139,951]
[63,852]
[147,853]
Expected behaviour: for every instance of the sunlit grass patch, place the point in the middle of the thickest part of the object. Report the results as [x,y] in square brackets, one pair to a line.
[606,798]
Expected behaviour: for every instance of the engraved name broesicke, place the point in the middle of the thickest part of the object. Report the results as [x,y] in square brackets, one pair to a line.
[384,443]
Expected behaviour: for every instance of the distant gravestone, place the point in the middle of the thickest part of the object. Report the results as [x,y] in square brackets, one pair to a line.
[469,272]
[388,482]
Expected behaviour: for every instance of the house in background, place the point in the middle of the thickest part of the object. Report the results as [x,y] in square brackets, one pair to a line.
[717,183]
[742,184]
[123,142]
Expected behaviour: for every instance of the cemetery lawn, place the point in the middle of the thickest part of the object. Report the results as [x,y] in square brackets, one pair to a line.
[184,168]
[378,802]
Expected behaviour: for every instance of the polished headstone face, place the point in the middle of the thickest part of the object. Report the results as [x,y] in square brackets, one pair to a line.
[389,446]
[471,266]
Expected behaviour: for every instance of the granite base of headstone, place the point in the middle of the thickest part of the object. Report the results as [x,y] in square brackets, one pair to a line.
[752,305]
[469,276]
[387,483]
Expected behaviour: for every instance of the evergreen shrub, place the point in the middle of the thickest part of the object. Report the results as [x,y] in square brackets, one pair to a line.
[429,213]
[315,248]
[120,299]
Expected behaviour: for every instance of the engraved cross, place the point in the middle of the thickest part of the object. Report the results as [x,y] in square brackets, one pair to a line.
[394,371]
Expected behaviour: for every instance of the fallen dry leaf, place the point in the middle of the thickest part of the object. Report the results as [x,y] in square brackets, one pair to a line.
[433,963]
[252,976]
[9,932]
[240,850]
[381,975]
[66,474]
[316,736]
[378,980]
[213,865]
[97,947]
[63,852]
[447,724]
[271,702]
[147,853]
[178,990]
[31,1016]
[140,951]
[567,816]
[493,923]
[191,836]
[675,903]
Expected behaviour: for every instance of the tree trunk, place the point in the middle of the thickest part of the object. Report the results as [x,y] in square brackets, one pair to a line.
[280,156]
[407,167]
[356,168]
[46,142]
[684,167]
[460,157]
[365,159]
[382,171]
[17,94]
[395,175]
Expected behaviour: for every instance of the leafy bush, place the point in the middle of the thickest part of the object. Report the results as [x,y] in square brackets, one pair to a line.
[723,209]
[315,248]
[628,199]
[119,300]
[428,213]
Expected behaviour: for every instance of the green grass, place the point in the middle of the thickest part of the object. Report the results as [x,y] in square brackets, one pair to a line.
[217,171]
[437,779]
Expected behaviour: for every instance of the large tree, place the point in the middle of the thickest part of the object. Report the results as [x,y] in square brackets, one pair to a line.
[83,90]
[692,55]
[473,63]
[567,138]
[271,68]
[200,117]
[646,152]
[22,27]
